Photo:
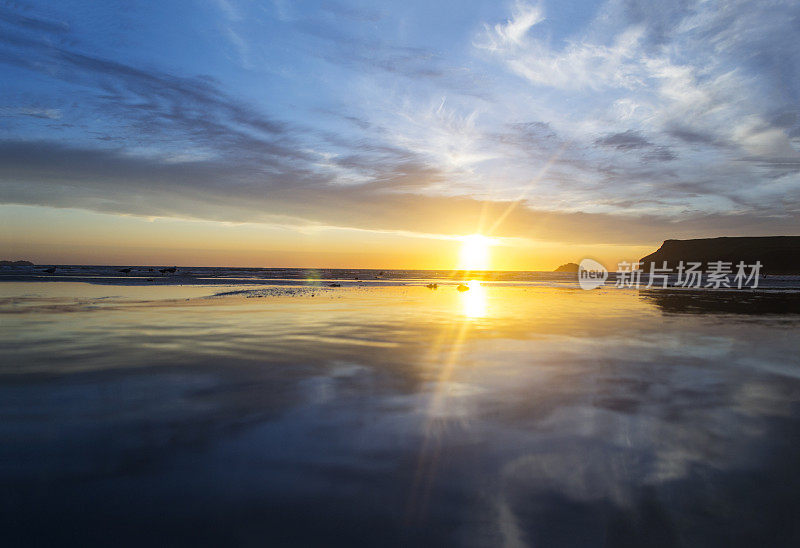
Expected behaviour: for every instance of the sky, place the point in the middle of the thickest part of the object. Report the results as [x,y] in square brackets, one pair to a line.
[378,134]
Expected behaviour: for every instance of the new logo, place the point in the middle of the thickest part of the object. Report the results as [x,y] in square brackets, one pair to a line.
[591,274]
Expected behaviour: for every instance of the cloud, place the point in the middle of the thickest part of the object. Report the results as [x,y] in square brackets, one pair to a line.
[54,175]
[580,64]
[513,31]
[693,136]
[685,99]
[627,140]
[35,112]
[662,154]
[633,140]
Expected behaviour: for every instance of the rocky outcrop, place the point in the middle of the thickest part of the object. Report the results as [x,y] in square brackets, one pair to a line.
[777,254]
[568,267]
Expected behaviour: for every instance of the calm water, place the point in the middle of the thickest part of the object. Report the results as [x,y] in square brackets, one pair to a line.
[510,414]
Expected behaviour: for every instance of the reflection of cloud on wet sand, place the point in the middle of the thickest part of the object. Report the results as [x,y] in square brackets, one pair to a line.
[559,407]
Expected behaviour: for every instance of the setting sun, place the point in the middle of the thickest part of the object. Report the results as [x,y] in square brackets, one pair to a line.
[475,252]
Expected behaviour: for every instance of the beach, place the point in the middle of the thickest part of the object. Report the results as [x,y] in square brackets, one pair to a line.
[521,412]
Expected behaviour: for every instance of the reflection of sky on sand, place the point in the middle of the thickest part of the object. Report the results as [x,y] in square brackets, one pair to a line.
[543,416]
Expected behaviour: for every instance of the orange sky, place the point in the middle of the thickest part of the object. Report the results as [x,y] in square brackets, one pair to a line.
[69,236]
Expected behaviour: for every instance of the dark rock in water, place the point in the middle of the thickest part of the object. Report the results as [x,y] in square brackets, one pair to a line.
[50,270]
[777,254]
[332,284]
[170,270]
[462,287]
[149,279]
[568,267]
[16,263]
[150,270]
[125,270]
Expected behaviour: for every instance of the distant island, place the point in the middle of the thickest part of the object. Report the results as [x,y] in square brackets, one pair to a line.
[777,254]
[568,267]
[16,263]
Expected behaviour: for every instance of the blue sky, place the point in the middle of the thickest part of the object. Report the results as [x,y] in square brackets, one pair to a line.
[617,122]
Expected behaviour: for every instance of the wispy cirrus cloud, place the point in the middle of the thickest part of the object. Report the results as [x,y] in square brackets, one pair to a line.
[512,32]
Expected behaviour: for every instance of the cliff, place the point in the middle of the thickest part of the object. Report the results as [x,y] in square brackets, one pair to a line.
[778,254]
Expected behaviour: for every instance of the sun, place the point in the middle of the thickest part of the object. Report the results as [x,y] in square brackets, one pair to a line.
[475,252]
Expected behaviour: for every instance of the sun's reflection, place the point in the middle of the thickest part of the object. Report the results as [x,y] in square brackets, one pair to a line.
[444,404]
[474,300]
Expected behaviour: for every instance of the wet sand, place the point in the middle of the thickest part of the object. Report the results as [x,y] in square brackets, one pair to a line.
[387,415]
